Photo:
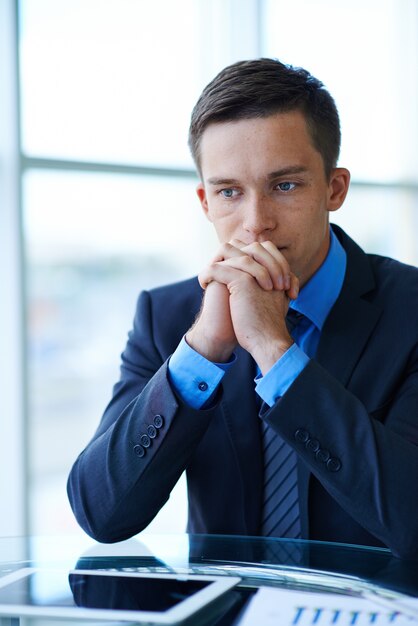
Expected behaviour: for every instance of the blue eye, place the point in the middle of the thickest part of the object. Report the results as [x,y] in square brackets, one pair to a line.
[286,186]
[227,193]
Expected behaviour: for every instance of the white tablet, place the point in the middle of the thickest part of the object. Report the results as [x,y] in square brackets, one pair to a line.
[109,595]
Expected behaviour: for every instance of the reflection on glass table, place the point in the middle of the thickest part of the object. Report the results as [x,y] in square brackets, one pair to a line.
[276,574]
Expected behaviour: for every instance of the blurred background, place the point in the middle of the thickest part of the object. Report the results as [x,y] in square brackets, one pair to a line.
[97,187]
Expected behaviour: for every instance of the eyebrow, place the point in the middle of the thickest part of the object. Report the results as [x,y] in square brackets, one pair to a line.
[285,171]
[222,181]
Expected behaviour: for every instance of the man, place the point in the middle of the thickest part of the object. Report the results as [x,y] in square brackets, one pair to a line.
[297,421]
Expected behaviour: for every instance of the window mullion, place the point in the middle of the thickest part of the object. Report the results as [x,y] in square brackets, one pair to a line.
[13,448]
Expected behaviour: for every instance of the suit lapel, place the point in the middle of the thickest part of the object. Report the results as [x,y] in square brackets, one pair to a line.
[352,319]
[344,336]
[240,412]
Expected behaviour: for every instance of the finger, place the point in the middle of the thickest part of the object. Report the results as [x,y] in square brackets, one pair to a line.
[283,262]
[226,251]
[251,266]
[266,254]
[273,260]
[237,243]
[214,272]
[236,269]
[293,290]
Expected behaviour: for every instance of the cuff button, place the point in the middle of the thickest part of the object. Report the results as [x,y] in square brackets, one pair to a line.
[301,435]
[158,421]
[203,386]
[333,464]
[322,455]
[139,451]
[145,441]
[312,445]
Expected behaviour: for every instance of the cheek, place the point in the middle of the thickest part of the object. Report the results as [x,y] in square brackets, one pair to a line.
[305,230]
[225,228]
[314,217]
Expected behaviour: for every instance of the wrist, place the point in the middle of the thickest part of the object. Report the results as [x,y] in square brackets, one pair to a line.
[266,355]
[214,351]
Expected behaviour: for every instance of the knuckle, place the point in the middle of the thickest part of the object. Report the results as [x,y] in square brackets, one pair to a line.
[269,247]
[263,272]
[209,270]
[223,253]
[247,278]
[255,245]
[247,261]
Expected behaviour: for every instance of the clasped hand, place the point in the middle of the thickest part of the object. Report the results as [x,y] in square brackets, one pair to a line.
[247,293]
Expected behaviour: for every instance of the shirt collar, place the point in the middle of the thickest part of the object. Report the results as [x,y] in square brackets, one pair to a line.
[317,297]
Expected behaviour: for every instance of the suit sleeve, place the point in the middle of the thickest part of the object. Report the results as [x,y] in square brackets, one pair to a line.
[367,462]
[142,445]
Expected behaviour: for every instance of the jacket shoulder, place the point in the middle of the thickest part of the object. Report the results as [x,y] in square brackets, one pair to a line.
[179,289]
[166,312]
[180,298]
[391,275]
[368,272]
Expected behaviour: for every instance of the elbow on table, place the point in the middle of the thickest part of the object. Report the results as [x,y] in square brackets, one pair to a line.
[96,519]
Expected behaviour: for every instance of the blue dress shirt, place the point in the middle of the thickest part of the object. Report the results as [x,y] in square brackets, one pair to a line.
[196,379]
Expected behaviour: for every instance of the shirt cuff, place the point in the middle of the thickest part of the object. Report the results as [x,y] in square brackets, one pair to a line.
[194,378]
[284,372]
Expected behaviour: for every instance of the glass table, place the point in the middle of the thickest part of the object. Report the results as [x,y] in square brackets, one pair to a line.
[307,567]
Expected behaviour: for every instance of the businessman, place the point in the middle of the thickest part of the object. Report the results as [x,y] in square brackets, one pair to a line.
[284,378]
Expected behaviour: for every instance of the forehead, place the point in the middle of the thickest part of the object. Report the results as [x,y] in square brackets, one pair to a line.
[282,137]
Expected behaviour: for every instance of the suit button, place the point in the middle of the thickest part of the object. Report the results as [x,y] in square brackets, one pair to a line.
[333,464]
[322,455]
[301,435]
[139,451]
[158,421]
[203,386]
[151,431]
[145,441]
[312,445]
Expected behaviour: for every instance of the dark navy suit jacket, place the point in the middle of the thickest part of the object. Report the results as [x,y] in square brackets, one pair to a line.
[351,416]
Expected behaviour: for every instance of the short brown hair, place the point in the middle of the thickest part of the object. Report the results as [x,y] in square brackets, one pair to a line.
[263,87]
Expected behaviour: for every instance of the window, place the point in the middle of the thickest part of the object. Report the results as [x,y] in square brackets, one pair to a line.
[366,53]
[112,236]
[106,183]
[108,204]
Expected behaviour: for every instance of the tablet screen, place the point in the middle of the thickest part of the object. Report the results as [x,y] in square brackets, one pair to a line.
[100,592]
[59,592]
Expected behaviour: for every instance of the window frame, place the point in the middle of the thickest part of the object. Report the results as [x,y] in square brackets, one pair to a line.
[15,439]
[13,379]
[245,26]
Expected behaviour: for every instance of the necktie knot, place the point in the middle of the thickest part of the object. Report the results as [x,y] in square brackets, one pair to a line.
[293,318]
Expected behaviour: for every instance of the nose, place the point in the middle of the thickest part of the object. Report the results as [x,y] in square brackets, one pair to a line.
[259,216]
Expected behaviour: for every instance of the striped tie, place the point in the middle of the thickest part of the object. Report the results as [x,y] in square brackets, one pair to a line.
[281,516]
[281,502]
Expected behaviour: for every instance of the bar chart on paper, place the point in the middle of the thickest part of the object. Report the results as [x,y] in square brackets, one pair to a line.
[273,607]
[343,617]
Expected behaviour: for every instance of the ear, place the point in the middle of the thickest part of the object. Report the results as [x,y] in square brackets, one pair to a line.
[338,187]
[201,194]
